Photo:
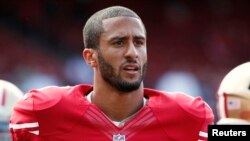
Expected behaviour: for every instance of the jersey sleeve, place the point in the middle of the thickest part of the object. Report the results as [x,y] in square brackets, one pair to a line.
[24,123]
[208,120]
[186,116]
[200,110]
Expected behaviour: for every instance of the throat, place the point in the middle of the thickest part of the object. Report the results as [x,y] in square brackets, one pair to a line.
[117,116]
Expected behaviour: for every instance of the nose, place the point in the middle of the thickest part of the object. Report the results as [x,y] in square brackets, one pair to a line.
[132,51]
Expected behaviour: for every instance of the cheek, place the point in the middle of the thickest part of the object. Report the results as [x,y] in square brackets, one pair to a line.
[112,60]
[143,56]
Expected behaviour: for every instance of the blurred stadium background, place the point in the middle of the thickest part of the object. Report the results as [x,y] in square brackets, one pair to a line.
[191,44]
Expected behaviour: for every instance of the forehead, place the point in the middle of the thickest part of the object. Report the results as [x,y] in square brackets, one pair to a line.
[123,26]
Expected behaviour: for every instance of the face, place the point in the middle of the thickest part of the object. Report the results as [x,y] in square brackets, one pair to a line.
[122,55]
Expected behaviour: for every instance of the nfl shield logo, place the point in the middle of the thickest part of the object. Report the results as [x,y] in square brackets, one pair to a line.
[119,137]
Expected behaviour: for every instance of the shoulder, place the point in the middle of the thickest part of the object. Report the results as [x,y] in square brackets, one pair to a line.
[44,106]
[179,102]
[195,106]
[181,112]
[39,99]
[44,97]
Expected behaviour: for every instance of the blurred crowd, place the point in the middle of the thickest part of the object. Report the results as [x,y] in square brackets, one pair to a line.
[191,44]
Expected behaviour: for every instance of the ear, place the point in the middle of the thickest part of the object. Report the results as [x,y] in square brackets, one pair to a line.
[89,56]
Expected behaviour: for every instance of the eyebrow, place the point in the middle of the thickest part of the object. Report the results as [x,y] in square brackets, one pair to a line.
[118,38]
[125,37]
[140,37]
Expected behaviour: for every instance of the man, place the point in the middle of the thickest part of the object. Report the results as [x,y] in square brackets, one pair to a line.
[117,107]
[234,96]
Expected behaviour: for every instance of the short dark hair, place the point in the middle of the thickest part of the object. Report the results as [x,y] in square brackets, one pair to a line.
[93,27]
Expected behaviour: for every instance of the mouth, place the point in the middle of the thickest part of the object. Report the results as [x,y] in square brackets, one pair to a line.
[131,68]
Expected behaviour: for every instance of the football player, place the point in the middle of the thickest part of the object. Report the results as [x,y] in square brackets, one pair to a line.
[234,96]
[116,107]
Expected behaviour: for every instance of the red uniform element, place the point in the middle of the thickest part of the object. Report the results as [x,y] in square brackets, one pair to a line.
[64,114]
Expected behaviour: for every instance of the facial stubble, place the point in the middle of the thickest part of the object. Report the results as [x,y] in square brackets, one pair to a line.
[115,80]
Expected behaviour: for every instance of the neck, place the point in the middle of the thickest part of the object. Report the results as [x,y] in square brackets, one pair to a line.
[118,105]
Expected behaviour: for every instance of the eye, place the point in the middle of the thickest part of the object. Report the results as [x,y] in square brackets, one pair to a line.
[118,43]
[139,42]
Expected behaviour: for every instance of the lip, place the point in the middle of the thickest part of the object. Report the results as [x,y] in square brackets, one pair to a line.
[131,68]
